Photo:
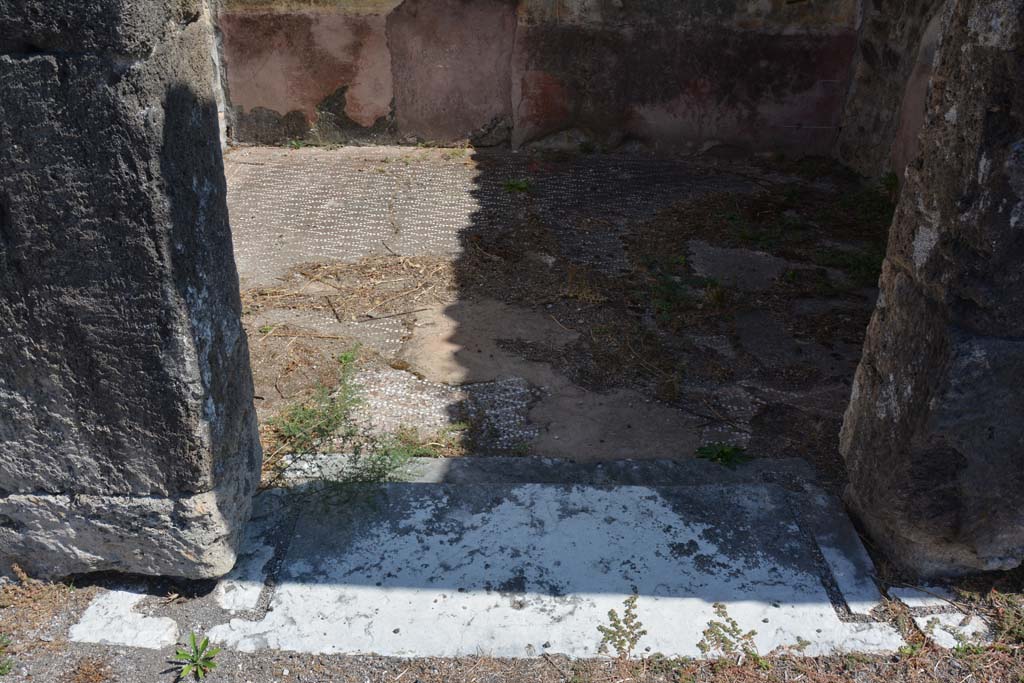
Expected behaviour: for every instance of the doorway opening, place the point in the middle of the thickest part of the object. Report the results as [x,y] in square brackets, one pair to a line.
[579,306]
[600,248]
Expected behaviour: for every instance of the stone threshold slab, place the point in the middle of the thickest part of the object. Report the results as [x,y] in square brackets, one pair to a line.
[517,570]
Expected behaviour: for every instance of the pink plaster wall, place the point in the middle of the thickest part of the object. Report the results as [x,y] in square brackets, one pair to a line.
[451,65]
[293,61]
[767,76]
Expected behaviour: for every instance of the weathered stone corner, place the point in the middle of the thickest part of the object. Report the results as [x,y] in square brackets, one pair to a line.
[934,434]
[126,419]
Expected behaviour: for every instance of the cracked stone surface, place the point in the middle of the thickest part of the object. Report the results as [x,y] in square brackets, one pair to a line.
[951,629]
[240,590]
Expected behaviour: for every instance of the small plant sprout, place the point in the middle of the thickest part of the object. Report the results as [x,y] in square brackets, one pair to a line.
[716,295]
[197,660]
[518,185]
[622,634]
[308,426]
[724,454]
[911,650]
[6,663]
[725,638]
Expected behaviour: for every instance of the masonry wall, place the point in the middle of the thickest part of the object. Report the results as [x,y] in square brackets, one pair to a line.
[761,75]
[893,67]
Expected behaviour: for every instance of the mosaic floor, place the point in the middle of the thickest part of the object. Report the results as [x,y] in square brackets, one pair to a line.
[295,206]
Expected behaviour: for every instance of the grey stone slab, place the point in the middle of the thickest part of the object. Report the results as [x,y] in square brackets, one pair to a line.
[842,550]
[521,570]
[514,470]
[272,515]
[743,269]
[925,597]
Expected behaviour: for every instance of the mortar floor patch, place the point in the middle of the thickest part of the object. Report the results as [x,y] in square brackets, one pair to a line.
[111,619]
[951,629]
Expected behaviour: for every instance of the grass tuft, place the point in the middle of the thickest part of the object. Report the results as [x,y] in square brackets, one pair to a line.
[518,185]
[724,454]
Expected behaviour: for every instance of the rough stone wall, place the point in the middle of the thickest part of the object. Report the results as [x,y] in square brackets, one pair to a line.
[127,431]
[934,434]
[763,75]
[886,102]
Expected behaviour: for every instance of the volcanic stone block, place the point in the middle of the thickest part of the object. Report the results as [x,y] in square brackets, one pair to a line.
[885,101]
[112,27]
[126,419]
[934,434]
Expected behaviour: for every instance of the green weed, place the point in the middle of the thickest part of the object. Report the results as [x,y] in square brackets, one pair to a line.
[622,633]
[716,295]
[724,454]
[197,660]
[6,663]
[325,423]
[407,442]
[307,426]
[454,153]
[518,185]
[521,448]
[964,648]
[863,267]
[669,295]
[372,462]
[725,638]
[911,649]
[1008,624]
